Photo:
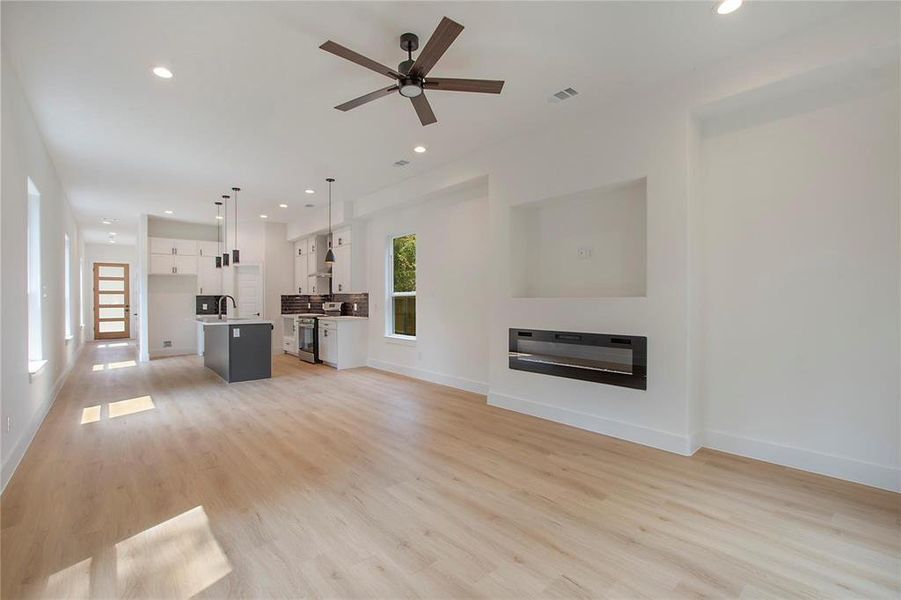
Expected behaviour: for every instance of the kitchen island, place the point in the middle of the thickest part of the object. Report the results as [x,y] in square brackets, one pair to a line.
[238,349]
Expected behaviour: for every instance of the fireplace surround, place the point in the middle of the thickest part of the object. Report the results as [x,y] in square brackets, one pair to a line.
[599,357]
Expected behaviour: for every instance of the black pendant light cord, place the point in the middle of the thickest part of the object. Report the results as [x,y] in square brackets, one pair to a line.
[236,254]
[225,255]
[330,255]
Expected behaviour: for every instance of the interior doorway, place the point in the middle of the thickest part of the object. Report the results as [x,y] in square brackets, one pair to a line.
[111,301]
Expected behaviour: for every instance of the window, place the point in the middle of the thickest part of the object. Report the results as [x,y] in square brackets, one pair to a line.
[67,285]
[81,291]
[401,286]
[34,289]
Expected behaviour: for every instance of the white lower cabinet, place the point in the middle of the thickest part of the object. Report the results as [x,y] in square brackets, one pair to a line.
[342,342]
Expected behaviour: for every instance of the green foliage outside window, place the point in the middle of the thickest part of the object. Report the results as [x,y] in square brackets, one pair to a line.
[405,264]
[404,251]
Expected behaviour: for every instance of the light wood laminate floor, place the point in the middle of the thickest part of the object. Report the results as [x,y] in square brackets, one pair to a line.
[363,484]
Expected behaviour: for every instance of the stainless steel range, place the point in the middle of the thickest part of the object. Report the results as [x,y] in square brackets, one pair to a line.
[307,339]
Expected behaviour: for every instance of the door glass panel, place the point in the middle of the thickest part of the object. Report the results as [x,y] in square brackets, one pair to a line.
[111,299]
[111,326]
[112,313]
[111,271]
[106,285]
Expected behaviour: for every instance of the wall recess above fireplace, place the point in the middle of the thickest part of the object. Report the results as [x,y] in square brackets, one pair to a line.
[603,358]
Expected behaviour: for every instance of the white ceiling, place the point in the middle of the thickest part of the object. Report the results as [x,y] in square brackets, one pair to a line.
[251,101]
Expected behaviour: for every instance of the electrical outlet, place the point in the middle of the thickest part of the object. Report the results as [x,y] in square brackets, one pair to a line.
[204,306]
[309,305]
[355,307]
[167,343]
[236,332]
[584,253]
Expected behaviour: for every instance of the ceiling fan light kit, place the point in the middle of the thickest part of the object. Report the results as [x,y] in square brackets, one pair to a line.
[411,75]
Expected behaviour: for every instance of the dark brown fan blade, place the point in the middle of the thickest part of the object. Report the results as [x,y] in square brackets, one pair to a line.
[445,34]
[423,109]
[339,50]
[485,86]
[367,98]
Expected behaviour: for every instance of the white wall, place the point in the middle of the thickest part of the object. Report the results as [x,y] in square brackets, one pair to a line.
[589,244]
[116,253]
[279,277]
[800,280]
[24,400]
[452,281]
[654,134]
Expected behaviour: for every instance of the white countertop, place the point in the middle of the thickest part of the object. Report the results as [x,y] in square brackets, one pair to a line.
[344,318]
[216,321]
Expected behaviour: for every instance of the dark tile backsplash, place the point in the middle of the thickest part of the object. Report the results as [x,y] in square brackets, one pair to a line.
[295,303]
[361,300]
[211,303]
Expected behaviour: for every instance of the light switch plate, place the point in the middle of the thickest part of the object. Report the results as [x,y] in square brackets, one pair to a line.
[236,332]
[204,306]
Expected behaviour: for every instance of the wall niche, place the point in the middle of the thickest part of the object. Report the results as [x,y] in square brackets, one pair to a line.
[588,244]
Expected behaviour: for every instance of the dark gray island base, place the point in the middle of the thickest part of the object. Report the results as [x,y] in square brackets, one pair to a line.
[238,351]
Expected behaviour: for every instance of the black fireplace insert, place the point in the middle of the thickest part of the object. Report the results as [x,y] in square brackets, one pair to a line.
[603,358]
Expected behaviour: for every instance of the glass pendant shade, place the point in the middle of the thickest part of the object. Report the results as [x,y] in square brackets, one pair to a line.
[218,262]
[225,259]
[329,257]
[236,256]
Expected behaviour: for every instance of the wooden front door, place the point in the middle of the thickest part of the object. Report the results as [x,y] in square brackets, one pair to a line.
[111,294]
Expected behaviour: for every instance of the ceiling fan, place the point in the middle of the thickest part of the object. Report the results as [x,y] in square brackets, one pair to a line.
[410,78]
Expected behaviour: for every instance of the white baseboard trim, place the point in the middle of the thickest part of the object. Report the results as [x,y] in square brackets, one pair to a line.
[18,452]
[165,352]
[461,383]
[881,476]
[646,436]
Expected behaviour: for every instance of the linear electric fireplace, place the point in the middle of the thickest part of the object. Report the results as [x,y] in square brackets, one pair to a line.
[614,359]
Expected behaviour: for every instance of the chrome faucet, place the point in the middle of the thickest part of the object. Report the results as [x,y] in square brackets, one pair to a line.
[221,298]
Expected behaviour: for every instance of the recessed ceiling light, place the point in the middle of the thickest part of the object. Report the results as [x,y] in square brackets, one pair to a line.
[106,221]
[724,7]
[310,191]
[264,216]
[112,241]
[162,72]
[283,206]
[168,212]
[419,149]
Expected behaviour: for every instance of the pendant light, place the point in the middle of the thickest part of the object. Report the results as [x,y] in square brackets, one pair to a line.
[330,256]
[225,254]
[236,255]
[218,235]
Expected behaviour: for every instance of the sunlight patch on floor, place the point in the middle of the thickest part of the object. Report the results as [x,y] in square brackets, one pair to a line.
[72,582]
[114,365]
[176,559]
[90,414]
[130,406]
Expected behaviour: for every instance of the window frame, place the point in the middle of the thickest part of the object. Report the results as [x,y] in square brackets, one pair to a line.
[390,294]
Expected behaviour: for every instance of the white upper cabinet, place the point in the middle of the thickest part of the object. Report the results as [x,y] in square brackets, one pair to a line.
[341,281]
[162,245]
[207,248]
[161,264]
[301,281]
[186,247]
[209,278]
[341,237]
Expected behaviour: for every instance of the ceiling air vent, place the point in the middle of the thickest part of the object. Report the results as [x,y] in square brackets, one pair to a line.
[562,95]
[401,163]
